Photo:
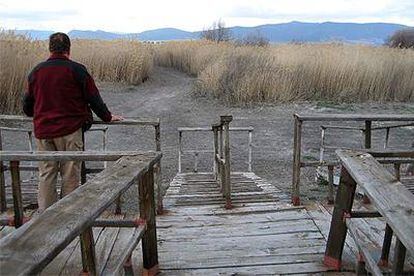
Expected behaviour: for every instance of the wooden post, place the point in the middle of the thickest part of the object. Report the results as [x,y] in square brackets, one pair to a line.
[147,213]
[330,184]
[128,269]
[297,147]
[215,146]
[87,241]
[225,120]
[17,194]
[337,233]
[196,162]
[88,252]
[397,171]
[399,258]
[180,138]
[387,137]
[249,168]
[361,267]
[3,202]
[157,171]
[386,246]
[367,145]
[216,167]
[368,126]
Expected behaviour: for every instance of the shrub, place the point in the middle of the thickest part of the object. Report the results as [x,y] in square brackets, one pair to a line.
[294,72]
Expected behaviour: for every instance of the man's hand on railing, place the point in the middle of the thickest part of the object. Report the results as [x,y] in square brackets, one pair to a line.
[116,118]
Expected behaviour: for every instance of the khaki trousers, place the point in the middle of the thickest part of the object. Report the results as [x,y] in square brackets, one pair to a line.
[48,170]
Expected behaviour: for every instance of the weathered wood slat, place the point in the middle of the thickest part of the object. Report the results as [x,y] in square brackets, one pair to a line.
[291,268]
[127,240]
[243,260]
[366,248]
[389,196]
[28,250]
[70,155]
[195,129]
[355,117]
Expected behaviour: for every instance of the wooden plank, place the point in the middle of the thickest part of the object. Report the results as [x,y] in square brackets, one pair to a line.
[256,229]
[125,121]
[196,129]
[293,243]
[71,155]
[105,244]
[212,261]
[389,196]
[202,220]
[73,264]
[28,250]
[355,117]
[5,231]
[126,241]
[366,248]
[292,268]
[58,264]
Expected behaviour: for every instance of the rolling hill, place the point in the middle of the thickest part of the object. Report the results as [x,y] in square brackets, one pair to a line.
[370,33]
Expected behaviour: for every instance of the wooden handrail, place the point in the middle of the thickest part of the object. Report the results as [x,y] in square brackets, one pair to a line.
[30,248]
[392,200]
[368,119]
[68,155]
[126,121]
[354,117]
[181,152]
[390,197]
[154,122]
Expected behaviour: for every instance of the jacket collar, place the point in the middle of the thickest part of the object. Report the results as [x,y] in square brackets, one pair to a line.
[57,56]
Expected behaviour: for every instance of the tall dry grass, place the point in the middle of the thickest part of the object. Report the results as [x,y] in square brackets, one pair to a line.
[294,72]
[115,61]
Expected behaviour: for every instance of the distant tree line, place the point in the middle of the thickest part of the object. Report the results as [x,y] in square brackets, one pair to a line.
[402,39]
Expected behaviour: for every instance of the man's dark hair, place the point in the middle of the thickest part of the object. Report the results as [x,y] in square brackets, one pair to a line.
[59,43]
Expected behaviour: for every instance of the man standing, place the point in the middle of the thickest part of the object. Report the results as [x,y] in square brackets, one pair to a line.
[60,96]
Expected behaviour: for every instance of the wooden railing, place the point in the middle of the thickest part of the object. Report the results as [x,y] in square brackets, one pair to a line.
[138,122]
[196,152]
[300,119]
[391,200]
[28,249]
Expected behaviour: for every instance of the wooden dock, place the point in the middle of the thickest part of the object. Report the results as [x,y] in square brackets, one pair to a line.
[262,234]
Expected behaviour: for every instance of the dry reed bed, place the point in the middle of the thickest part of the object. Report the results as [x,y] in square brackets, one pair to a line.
[116,61]
[294,72]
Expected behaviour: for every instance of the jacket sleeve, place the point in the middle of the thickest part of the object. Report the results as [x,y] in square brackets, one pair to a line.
[28,100]
[95,101]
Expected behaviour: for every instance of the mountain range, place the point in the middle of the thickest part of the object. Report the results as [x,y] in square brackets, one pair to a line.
[369,33]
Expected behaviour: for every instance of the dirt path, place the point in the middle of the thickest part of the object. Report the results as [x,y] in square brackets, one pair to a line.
[168,95]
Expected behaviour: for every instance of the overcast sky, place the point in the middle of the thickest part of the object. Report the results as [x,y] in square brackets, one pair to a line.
[192,15]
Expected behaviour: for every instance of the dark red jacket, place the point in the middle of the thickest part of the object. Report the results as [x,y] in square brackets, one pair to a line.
[60,96]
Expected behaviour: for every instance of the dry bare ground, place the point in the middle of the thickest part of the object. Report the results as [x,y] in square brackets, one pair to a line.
[168,95]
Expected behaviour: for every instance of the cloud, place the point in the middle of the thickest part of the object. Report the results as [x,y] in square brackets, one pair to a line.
[324,10]
[37,15]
